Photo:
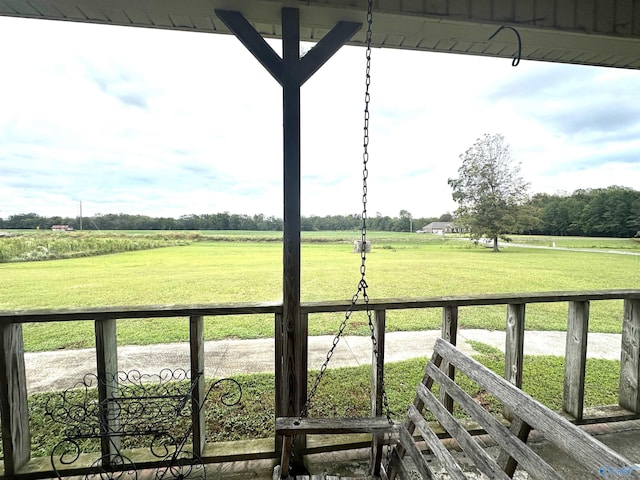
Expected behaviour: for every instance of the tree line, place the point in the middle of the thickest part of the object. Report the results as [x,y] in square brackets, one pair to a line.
[601,212]
[404,222]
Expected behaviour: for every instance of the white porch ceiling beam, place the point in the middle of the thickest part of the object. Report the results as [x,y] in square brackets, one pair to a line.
[591,32]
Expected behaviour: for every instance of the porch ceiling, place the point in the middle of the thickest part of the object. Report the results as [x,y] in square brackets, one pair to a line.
[590,32]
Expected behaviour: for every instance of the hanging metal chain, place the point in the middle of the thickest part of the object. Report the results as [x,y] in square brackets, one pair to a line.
[362,287]
[362,284]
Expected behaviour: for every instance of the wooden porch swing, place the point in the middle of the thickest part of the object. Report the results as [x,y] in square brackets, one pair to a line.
[406,460]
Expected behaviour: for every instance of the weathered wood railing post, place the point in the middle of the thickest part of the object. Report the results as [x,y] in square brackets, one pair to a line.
[629,392]
[514,343]
[513,368]
[280,403]
[377,384]
[107,371]
[301,338]
[14,410]
[450,334]
[196,347]
[514,346]
[575,358]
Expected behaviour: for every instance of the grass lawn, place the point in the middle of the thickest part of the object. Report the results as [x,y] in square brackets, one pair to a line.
[216,272]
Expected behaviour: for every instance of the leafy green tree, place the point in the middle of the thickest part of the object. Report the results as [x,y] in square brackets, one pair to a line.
[25,221]
[490,191]
[610,212]
[633,222]
[405,221]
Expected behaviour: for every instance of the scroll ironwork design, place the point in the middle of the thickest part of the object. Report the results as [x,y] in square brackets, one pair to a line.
[154,410]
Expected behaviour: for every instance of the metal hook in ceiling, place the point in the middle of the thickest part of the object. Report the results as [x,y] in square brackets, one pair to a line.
[518,54]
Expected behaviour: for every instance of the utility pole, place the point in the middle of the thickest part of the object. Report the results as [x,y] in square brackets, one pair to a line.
[80,214]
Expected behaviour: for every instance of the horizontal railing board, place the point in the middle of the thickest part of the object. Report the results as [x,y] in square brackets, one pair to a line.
[154,311]
[337,442]
[293,425]
[602,414]
[146,311]
[471,300]
[220,452]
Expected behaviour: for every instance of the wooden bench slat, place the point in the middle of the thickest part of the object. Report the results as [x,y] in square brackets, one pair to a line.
[398,451]
[406,440]
[506,439]
[295,425]
[475,452]
[574,441]
[435,445]
[528,412]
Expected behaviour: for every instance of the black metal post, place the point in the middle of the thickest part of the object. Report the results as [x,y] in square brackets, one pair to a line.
[295,338]
[291,72]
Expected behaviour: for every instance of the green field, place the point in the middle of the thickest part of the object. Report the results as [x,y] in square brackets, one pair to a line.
[221,267]
[400,266]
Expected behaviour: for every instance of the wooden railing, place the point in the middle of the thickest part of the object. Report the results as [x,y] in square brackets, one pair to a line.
[13,385]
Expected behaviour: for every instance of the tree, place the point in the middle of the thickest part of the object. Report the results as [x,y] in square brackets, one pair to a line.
[25,221]
[405,222]
[490,191]
[446,217]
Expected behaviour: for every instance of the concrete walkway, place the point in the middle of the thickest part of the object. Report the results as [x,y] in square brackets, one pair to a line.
[63,368]
[570,249]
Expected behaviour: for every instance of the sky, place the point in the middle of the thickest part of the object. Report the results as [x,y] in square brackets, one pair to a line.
[166,123]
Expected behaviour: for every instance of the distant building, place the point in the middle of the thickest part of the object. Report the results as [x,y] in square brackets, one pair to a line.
[61,228]
[439,228]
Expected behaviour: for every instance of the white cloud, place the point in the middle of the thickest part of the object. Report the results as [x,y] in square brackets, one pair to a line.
[172,123]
